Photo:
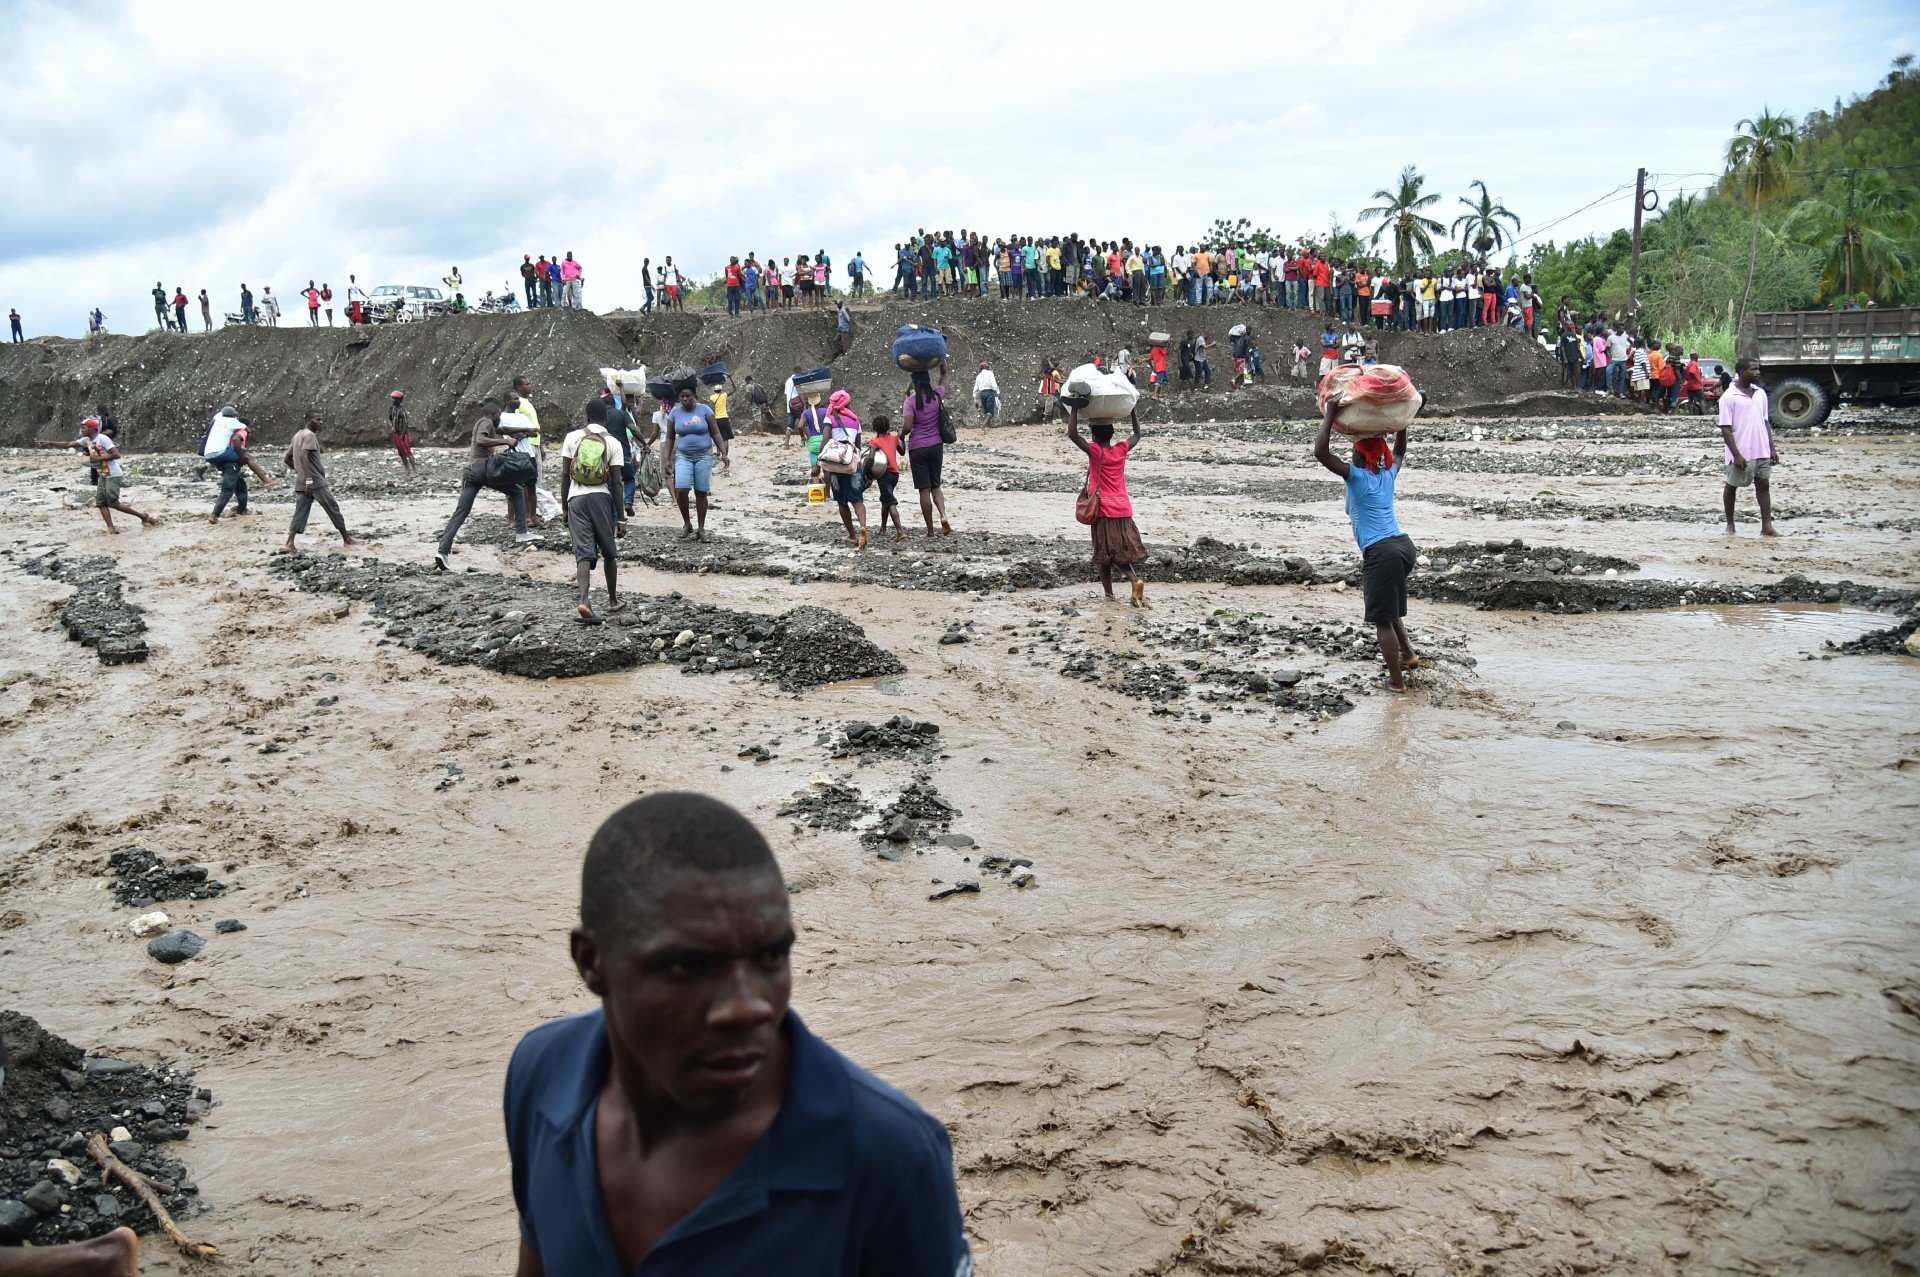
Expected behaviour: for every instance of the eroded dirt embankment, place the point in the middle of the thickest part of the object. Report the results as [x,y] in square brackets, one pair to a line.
[163,387]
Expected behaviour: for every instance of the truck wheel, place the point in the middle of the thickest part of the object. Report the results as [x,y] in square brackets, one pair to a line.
[1800,403]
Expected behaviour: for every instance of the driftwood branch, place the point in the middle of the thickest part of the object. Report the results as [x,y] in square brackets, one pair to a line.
[143,1188]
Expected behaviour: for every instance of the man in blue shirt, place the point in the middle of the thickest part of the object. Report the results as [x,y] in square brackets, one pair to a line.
[1387,554]
[857,275]
[692,1125]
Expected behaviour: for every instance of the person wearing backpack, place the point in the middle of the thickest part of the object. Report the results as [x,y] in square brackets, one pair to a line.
[928,430]
[591,463]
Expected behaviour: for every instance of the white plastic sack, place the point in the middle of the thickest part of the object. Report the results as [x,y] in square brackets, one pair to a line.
[1100,396]
[628,383]
[546,503]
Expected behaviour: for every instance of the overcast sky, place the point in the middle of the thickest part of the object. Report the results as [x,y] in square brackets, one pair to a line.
[208,143]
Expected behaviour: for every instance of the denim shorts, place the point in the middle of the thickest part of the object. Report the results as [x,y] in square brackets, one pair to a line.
[694,473]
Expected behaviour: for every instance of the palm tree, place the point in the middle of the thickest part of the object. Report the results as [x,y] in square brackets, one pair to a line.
[1861,236]
[1760,153]
[1400,212]
[1479,228]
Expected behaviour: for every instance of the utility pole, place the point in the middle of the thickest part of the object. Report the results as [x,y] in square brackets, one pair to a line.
[1633,269]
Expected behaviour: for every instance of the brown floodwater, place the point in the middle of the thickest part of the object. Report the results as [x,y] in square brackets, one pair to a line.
[1601,954]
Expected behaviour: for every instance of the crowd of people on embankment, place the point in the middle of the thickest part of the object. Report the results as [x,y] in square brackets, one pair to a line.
[1426,297]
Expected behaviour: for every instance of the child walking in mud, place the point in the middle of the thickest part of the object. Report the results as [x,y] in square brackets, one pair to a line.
[1116,541]
[887,444]
[1386,553]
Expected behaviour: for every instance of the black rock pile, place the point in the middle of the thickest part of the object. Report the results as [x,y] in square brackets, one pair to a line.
[98,615]
[527,627]
[54,1097]
[899,735]
[142,880]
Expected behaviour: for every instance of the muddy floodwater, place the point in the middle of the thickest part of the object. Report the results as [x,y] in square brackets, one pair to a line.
[1600,952]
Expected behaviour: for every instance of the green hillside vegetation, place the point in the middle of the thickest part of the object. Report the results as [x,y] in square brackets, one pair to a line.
[1836,221]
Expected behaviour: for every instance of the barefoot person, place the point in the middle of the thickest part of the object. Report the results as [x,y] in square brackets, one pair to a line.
[691,436]
[692,1124]
[103,454]
[920,415]
[1386,553]
[1115,538]
[848,488]
[591,464]
[1750,452]
[402,434]
[310,482]
[887,444]
[225,449]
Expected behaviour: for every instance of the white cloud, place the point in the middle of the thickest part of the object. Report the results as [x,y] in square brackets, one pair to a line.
[223,141]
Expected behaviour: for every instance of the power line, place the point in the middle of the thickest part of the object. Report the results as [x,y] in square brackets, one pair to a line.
[1537,231]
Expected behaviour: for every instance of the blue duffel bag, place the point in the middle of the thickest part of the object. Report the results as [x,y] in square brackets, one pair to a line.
[916,348]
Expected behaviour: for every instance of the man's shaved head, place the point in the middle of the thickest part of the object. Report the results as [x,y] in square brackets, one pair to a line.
[654,841]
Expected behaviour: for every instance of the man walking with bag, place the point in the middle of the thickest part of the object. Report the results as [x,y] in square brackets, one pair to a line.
[489,435]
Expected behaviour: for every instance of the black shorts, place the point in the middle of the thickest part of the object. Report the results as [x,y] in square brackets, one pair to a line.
[786,292]
[888,482]
[925,464]
[590,518]
[726,427]
[1384,567]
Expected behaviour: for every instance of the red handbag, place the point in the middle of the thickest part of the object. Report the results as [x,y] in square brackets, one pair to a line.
[1086,507]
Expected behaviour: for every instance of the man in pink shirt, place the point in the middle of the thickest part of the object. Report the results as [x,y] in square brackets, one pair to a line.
[1749,439]
[570,275]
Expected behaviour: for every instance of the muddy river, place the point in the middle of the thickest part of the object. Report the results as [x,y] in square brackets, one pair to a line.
[1598,953]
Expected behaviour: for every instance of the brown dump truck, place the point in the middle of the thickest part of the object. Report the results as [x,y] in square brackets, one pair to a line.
[1814,359]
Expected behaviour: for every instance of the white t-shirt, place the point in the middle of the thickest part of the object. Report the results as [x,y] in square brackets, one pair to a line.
[1446,288]
[616,456]
[114,468]
[220,434]
[1182,262]
[528,445]
[985,381]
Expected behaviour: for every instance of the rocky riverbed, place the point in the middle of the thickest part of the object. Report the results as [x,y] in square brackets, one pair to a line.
[1212,956]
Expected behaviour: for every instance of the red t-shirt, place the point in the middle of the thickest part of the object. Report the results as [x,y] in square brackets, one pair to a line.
[1158,358]
[888,445]
[733,276]
[1107,469]
[1322,274]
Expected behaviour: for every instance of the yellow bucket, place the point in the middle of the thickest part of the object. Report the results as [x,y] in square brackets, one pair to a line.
[816,493]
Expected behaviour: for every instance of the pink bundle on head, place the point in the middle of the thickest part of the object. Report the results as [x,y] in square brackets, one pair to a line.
[1375,400]
[840,404]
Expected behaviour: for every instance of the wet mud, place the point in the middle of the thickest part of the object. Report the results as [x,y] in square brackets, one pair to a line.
[1594,953]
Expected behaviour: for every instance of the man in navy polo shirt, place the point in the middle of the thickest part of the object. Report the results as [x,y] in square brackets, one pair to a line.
[693,1125]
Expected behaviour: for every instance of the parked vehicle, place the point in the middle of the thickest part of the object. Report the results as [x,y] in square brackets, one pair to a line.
[1813,359]
[404,301]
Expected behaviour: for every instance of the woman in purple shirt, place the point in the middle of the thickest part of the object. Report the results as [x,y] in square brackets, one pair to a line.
[920,418]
